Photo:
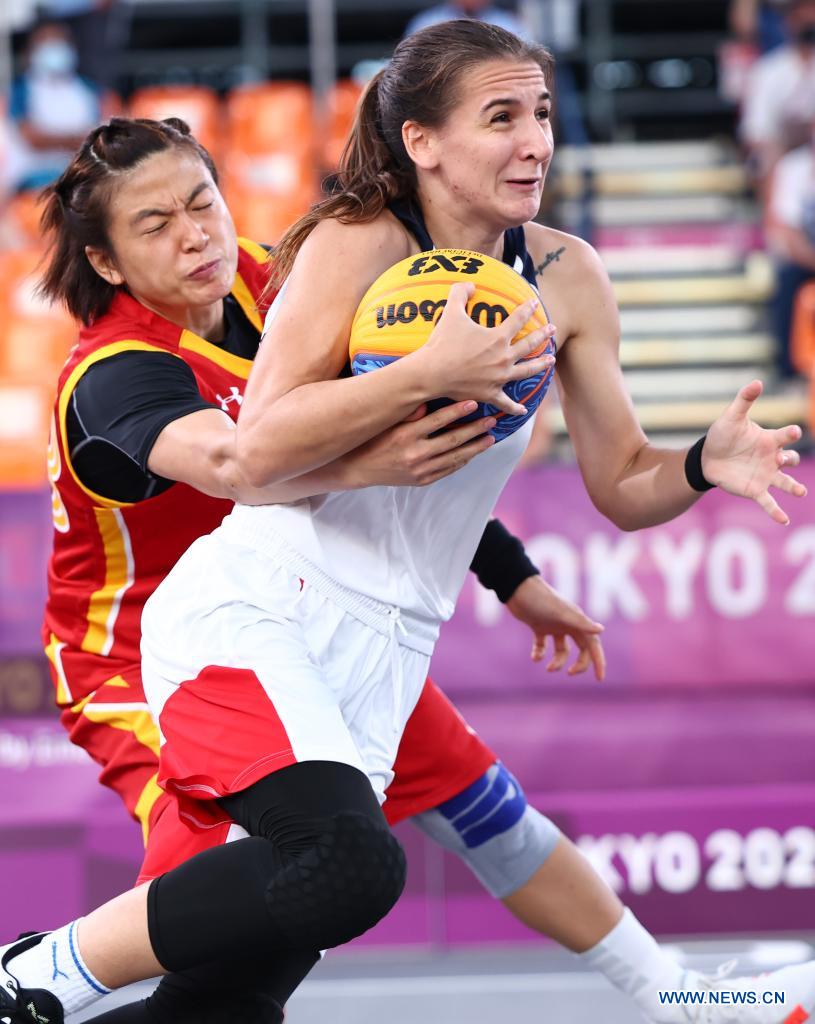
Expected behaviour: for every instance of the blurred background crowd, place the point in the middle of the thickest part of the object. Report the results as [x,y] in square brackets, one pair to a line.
[684,132]
[686,155]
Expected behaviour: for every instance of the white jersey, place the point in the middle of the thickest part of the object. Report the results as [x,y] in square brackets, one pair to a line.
[405,547]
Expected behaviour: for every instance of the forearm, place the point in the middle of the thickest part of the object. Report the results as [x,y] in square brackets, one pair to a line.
[651,489]
[315,424]
[200,450]
[334,476]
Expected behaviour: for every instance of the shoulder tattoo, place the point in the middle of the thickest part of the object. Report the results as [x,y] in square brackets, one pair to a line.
[551,257]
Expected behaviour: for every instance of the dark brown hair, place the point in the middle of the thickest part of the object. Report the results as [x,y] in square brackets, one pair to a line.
[420,83]
[77,206]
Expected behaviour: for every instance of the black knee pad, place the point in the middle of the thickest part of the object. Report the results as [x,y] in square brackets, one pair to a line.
[319,868]
[342,885]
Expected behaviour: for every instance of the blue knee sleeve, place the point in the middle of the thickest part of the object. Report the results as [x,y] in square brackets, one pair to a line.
[494,830]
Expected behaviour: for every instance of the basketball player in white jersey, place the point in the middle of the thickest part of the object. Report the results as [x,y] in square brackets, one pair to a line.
[285,651]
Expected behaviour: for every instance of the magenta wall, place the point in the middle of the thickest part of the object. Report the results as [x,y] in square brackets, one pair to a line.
[688,778]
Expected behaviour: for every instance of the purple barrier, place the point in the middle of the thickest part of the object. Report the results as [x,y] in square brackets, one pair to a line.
[721,597]
[66,844]
[25,539]
[721,859]
[724,861]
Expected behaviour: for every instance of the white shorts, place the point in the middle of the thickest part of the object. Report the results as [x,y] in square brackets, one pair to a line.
[248,668]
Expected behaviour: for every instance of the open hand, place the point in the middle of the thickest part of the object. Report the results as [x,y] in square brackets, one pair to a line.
[744,459]
[547,613]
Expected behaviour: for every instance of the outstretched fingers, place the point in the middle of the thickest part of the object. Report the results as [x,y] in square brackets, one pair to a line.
[788,458]
[787,435]
[741,405]
[561,654]
[787,483]
[766,501]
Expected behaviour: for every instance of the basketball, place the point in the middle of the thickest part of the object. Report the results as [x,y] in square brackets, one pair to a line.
[399,311]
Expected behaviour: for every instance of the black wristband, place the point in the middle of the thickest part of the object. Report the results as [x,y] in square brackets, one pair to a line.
[500,561]
[693,467]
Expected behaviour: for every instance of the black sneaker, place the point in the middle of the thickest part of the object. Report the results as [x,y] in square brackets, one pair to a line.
[25,1005]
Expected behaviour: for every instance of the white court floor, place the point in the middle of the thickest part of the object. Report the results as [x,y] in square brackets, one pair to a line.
[501,986]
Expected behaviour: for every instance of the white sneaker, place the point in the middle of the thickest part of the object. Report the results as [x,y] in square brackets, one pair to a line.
[786,996]
[25,1005]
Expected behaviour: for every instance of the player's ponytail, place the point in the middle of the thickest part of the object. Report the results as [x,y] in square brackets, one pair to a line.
[420,83]
[372,172]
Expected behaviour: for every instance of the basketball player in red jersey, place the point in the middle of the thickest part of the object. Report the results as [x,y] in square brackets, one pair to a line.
[487,57]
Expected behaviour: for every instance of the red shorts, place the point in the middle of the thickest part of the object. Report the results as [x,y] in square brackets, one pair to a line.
[114,725]
[439,755]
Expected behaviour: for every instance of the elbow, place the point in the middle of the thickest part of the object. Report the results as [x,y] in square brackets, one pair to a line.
[627,524]
[624,519]
[255,462]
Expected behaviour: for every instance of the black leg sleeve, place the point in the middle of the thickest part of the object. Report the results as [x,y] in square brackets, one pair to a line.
[254,993]
[326,870]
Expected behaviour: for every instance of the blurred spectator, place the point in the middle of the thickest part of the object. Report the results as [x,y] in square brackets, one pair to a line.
[780,99]
[756,27]
[790,228]
[482,10]
[759,22]
[98,28]
[51,107]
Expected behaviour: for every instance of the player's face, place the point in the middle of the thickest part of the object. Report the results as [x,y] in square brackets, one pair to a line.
[495,147]
[173,239]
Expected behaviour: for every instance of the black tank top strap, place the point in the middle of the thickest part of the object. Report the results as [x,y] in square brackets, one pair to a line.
[516,255]
[515,251]
[410,215]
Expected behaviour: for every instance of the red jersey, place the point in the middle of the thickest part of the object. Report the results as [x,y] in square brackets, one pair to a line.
[108,557]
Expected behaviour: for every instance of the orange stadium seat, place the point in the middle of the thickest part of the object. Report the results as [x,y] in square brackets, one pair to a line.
[271,117]
[24,212]
[341,104]
[197,105]
[35,336]
[802,341]
[262,216]
[271,175]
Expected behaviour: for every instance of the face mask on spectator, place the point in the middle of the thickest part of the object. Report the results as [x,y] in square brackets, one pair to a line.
[54,57]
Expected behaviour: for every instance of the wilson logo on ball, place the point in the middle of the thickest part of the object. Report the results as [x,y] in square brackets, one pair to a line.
[484,313]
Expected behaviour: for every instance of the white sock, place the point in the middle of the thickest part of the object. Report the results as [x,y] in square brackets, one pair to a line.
[633,961]
[56,965]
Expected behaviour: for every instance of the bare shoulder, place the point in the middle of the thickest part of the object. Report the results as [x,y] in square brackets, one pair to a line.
[355,252]
[560,251]
[572,280]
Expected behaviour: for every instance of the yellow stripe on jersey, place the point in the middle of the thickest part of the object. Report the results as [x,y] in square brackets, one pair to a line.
[247,302]
[104,604]
[144,805]
[257,252]
[236,365]
[133,716]
[53,652]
